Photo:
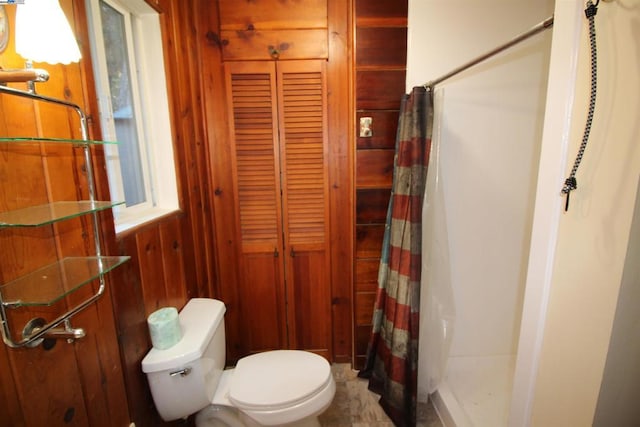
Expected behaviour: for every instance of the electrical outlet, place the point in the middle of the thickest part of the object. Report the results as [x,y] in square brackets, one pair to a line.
[365,127]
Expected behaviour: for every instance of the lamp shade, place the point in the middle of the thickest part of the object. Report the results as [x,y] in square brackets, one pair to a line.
[43,33]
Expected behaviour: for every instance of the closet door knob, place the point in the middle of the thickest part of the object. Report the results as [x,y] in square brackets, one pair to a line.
[274,52]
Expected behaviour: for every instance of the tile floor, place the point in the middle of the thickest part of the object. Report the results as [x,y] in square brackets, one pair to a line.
[354,405]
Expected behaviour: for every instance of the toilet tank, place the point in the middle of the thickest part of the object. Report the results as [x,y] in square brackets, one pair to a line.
[183,378]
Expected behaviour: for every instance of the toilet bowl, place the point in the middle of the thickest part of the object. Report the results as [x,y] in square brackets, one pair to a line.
[270,388]
[279,387]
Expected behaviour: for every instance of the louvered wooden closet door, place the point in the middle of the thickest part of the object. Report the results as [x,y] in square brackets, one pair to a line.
[302,105]
[251,88]
[278,126]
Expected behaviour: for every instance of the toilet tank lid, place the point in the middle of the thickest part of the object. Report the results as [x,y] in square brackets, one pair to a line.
[198,322]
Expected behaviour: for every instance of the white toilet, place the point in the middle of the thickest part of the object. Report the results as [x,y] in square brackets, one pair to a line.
[280,387]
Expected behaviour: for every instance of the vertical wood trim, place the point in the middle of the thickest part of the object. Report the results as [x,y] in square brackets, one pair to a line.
[184,128]
[341,172]
[148,248]
[173,263]
[204,225]
[215,112]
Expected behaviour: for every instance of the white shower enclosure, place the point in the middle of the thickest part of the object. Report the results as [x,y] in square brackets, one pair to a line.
[478,215]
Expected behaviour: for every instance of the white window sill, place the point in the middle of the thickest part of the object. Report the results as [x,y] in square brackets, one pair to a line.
[126,222]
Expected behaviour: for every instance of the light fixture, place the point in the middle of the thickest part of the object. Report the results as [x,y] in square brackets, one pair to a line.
[42,34]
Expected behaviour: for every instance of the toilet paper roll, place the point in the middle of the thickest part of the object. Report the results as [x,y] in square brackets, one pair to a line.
[164,328]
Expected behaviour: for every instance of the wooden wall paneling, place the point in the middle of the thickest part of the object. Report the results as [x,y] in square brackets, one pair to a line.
[64,164]
[176,69]
[84,87]
[134,344]
[381,9]
[172,257]
[99,364]
[73,384]
[341,173]
[18,116]
[48,386]
[215,118]
[381,47]
[374,168]
[383,128]
[73,238]
[371,205]
[124,284]
[369,241]
[380,51]
[10,412]
[366,285]
[367,274]
[127,285]
[379,89]
[23,250]
[18,120]
[284,14]
[364,307]
[127,296]
[173,263]
[206,288]
[254,45]
[362,334]
[190,157]
[133,334]
[152,276]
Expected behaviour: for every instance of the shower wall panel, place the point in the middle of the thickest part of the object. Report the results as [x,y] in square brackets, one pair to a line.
[490,126]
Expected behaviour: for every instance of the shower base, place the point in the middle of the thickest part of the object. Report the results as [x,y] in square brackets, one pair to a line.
[476,391]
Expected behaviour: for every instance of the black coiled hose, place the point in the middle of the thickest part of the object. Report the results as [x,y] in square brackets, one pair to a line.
[571,183]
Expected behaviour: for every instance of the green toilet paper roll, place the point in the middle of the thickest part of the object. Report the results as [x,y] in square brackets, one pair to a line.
[164,328]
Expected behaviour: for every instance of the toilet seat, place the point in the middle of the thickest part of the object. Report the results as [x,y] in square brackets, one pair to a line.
[279,379]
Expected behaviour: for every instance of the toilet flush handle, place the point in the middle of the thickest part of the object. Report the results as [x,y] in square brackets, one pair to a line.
[182,372]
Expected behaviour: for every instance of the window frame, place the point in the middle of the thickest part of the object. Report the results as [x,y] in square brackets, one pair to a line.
[151,107]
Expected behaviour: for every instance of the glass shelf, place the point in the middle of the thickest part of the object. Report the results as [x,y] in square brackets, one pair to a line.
[49,284]
[9,140]
[35,216]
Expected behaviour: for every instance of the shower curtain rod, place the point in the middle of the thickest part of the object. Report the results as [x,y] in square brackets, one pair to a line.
[544,25]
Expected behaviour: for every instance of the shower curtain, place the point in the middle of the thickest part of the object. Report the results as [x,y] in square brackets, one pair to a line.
[392,355]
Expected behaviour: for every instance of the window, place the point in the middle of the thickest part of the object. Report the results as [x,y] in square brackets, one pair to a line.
[126,45]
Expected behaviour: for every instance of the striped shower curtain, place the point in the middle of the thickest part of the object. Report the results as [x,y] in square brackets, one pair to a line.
[392,355]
